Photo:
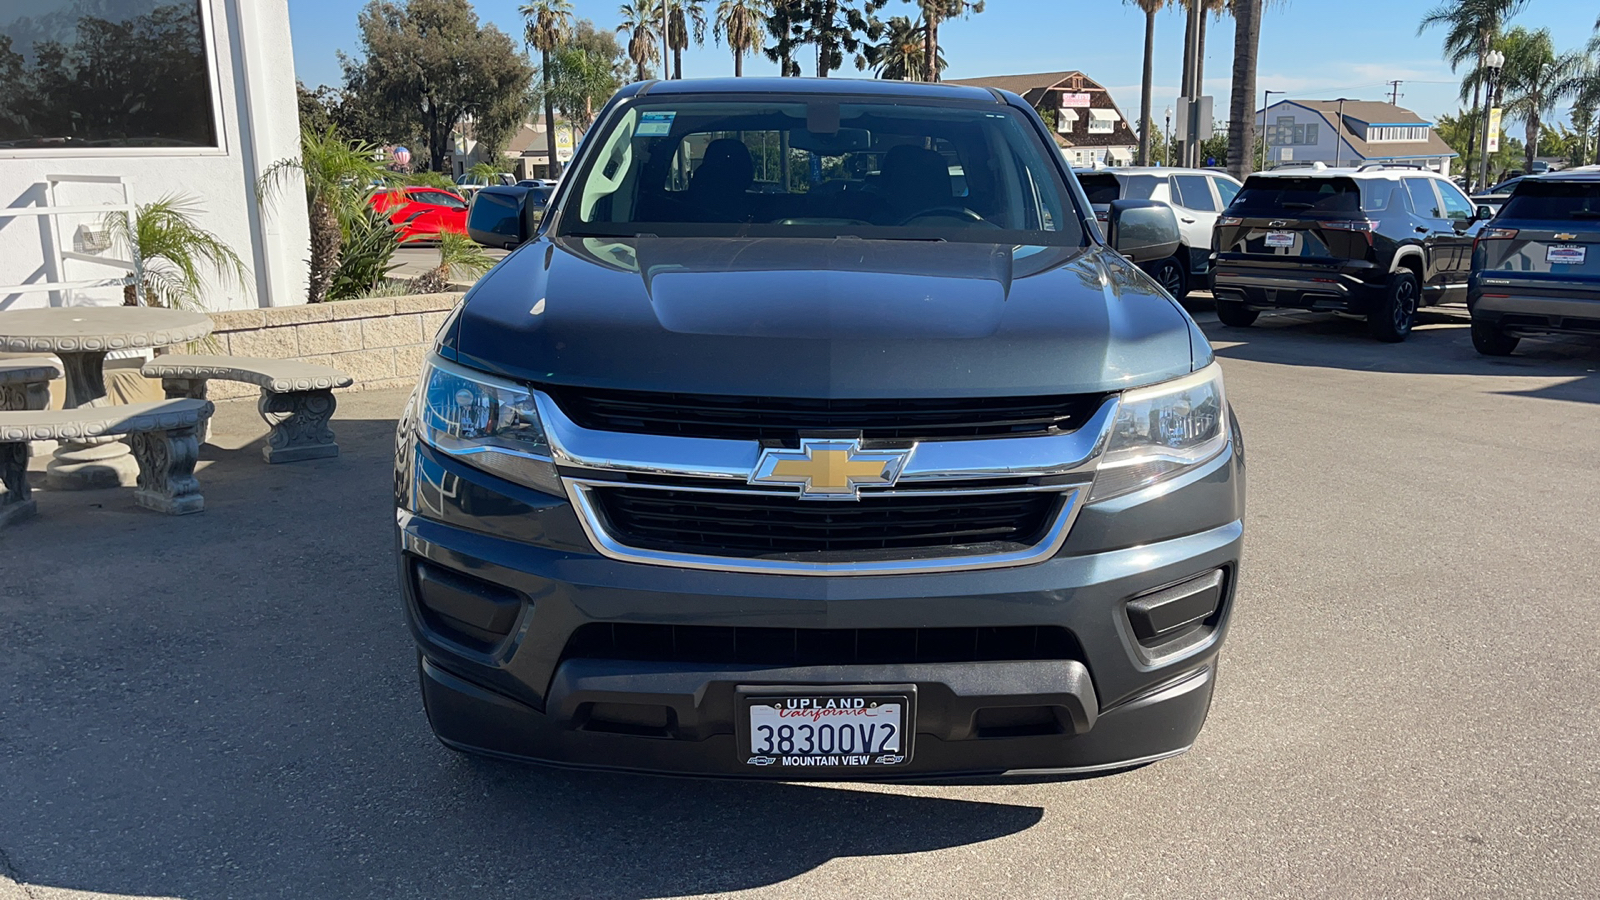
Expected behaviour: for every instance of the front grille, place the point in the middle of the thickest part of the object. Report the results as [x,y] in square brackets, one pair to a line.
[757,526]
[819,646]
[784,418]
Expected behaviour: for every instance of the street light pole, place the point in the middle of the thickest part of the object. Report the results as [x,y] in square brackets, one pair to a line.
[1266,101]
[1166,141]
[666,17]
[1492,61]
[1338,135]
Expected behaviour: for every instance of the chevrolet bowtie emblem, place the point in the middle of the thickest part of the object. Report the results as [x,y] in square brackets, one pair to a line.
[1564,236]
[829,469]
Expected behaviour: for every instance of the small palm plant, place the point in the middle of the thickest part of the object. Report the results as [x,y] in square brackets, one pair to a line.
[339,175]
[174,253]
[459,257]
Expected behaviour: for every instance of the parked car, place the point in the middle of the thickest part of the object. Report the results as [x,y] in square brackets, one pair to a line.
[1377,241]
[421,213]
[1497,194]
[825,481]
[468,183]
[1536,267]
[1195,195]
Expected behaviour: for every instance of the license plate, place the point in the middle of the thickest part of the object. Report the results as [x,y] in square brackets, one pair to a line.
[1566,256]
[826,730]
[1280,239]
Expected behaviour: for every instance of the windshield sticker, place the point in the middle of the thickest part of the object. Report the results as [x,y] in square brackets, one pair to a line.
[655,124]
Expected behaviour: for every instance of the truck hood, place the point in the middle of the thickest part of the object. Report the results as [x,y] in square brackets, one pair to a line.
[822,318]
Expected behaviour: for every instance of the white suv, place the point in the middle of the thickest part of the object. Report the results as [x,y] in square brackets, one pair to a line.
[1196,197]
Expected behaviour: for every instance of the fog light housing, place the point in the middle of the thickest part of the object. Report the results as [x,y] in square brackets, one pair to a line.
[1164,618]
[469,611]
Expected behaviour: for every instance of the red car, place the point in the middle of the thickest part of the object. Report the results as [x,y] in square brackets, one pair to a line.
[421,213]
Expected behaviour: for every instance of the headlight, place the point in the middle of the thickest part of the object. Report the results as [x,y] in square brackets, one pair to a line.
[486,423]
[1162,430]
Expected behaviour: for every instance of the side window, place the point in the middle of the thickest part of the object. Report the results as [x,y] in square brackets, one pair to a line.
[1194,192]
[1456,205]
[1423,200]
[1226,189]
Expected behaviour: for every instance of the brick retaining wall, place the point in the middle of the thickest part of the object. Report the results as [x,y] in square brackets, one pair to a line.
[380,342]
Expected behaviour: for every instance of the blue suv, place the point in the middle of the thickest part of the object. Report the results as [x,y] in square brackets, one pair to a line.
[1536,266]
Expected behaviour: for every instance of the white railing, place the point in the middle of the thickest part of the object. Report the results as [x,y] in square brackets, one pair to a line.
[57,259]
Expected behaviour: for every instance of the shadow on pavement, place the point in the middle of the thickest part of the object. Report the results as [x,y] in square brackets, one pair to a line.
[225,705]
[1440,345]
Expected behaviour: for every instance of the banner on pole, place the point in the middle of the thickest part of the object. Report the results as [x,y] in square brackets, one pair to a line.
[1494,129]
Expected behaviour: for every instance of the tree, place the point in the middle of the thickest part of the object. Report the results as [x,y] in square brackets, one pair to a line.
[934,12]
[899,56]
[784,25]
[1149,8]
[1533,76]
[338,175]
[1471,28]
[686,22]
[641,21]
[585,72]
[1242,105]
[429,65]
[172,250]
[838,27]
[741,23]
[548,23]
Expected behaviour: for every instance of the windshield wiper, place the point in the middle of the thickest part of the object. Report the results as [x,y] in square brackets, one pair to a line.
[1585,214]
[1296,204]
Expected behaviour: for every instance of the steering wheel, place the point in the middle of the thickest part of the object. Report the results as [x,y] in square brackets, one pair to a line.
[945,212]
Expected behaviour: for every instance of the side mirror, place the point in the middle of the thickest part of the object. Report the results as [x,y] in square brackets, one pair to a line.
[1142,230]
[504,216]
[1485,212]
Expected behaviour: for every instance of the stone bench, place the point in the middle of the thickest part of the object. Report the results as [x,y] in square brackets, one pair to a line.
[296,398]
[24,385]
[163,435]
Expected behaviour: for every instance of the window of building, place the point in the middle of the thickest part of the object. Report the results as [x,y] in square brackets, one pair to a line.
[1379,133]
[1103,121]
[129,73]
[1286,132]
[1066,120]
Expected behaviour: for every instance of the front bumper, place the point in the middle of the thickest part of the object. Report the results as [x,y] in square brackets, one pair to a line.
[1351,287]
[1109,702]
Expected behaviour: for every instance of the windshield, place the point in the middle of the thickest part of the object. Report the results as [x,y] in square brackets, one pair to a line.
[820,167]
[1278,195]
[1554,200]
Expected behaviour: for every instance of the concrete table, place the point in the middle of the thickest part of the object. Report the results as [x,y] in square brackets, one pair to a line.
[81,336]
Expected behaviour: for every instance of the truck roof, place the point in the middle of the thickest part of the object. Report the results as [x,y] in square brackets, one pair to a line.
[841,86]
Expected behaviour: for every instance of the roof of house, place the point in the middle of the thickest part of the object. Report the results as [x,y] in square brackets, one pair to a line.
[1373,112]
[1036,89]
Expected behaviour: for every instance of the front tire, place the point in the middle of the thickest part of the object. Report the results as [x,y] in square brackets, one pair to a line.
[1392,318]
[1491,341]
[1170,274]
[1235,314]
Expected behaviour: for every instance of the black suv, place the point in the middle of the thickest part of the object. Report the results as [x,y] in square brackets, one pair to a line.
[1377,241]
[1536,267]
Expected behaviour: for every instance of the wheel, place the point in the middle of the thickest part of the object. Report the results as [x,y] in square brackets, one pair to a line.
[1491,341]
[1170,274]
[1390,320]
[1235,314]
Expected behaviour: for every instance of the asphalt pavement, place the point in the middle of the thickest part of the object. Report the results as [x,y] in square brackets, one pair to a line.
[225,705]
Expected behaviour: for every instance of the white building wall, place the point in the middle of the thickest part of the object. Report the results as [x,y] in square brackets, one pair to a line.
[252,57]
[1323,150]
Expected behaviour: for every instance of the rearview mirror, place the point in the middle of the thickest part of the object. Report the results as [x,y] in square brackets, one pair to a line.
[504,216]
[1142,230]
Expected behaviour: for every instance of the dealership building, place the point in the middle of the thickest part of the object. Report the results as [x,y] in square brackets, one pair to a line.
[116,102]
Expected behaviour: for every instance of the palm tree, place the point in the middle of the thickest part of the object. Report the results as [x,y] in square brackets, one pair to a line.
[1582,84]
[639,23]
[1533,77]
[1471,28]
[899,56]
[1149,8]
[459,257]
[547,26]
[934,12]
[686,22]
[741,22]
[1242,105]
[339,175]
[172,251]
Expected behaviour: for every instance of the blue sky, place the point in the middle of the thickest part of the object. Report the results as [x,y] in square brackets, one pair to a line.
[1316,49]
